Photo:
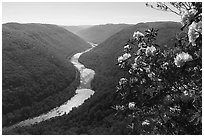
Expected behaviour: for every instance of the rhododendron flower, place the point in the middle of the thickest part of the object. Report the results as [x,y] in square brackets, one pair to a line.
[127,47]
[175,109]
[188,16]
[137,34]
[123,81]
[150,50]
[118,107]
[120,59]
[124,57]
[134,66]
[131,105]
[185,93]
[193,32]
[182,58]
[146,122]
[197,26]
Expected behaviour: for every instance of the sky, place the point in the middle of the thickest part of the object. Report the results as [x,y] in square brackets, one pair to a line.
[87,13]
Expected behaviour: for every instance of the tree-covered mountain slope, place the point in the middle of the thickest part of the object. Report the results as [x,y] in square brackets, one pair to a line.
[103,58]
[35,68]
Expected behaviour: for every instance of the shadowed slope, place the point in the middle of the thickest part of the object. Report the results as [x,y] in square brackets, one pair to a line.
[34,67]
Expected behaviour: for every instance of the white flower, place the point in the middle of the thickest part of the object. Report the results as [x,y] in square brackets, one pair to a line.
[185,93]
[120,59]
[134,66]
[175,109]
[182,58]
[197,26]
[131,105]
[117,107]
[193,32]
[126,56]
[146,122]
[122,81]
[127,47]
[150,50]
[188,16]
[137,34]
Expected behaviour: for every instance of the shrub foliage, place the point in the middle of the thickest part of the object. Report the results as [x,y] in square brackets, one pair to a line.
[163,93]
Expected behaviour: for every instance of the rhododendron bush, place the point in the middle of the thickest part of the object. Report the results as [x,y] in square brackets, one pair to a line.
[163,92]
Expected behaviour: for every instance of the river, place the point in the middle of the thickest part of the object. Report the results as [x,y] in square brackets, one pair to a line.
[83,92]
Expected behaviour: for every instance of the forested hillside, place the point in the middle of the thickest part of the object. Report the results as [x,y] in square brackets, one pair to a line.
[103,58]
[36,74]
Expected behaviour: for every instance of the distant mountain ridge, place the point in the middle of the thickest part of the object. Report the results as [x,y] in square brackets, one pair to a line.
[75,29]
[98,33]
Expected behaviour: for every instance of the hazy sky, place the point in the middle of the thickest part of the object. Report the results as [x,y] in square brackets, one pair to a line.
[87,13]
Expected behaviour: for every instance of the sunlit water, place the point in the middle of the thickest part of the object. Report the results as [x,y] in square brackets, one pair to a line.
[83,92]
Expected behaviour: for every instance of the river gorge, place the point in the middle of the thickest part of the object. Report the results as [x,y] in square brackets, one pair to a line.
[83,92]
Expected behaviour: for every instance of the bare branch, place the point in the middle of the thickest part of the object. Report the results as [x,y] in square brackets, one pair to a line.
[163,6]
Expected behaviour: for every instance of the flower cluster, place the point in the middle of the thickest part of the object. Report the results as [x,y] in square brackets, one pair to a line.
[187,16]
[164,87]
[150,50]
[146,122]
[124,57]
[195,29]
[137,35]
[131,105]
[123,81]
[181,58]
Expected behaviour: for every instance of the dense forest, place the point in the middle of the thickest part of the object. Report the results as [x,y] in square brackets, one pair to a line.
[37,75]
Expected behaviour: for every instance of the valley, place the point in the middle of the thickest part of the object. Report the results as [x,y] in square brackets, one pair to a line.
[101,68]
[36,75]
[97,114]
[83,92]
[96,33]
